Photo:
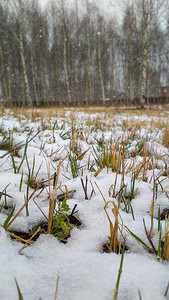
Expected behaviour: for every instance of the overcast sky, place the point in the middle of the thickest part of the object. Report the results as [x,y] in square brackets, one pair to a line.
[109,7]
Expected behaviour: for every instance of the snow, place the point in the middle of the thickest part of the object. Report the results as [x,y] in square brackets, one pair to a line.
[84,270]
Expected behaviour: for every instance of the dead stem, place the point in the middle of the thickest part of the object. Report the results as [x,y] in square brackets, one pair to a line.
[18,238]
[40,210]
[56,290]
[115,245]
[166,240]
[52,195]
[118,165]
[30,240]
[152,201]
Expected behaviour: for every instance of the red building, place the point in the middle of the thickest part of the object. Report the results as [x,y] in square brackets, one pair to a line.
[162,91]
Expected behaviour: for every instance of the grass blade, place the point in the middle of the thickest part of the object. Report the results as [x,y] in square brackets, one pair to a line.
[139,240]
[9,217]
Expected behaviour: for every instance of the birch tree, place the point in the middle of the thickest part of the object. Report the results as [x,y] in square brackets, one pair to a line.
[129,57]
[100,60]
[55,55]
[89,96]
[22,54]
[146,9]
[65,39]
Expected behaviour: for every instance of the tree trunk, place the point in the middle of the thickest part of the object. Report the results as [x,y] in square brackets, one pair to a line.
[65,54]
[33,79]
[4,85]
[9,82]
[25,76]
[89,98]
[143,76]
[57,80]
[100,69]
[145,55]
[42,75]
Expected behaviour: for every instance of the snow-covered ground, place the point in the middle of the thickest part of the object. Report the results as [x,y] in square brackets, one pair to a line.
[85,271]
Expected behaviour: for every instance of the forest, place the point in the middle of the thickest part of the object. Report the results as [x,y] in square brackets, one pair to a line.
[76,55]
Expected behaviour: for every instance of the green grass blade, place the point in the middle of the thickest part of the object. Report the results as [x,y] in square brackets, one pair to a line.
[139,240]
[159,226]
[24,155]
[13,163]
[21,181]
[33,167]
[36,174]
[119,273]
[9,217]
[82,154]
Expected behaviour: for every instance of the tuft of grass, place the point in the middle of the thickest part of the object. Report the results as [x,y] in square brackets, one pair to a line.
[61,225]
[163,246]
[73,166]
[53,199]
[107,156]
[7,143]
[115,243]
[17,170]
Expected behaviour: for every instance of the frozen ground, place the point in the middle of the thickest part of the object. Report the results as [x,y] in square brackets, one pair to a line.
[84,270]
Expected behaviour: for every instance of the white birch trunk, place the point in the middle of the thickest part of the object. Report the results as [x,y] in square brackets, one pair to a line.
[4,85]
[65,54]
[100,68]
[34,82]
[145,54]
[25,76]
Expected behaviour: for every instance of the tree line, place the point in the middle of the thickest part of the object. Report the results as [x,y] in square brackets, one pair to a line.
[76,55]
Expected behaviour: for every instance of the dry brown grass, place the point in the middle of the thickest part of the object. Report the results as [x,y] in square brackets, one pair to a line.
[107,114]
[165,137]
